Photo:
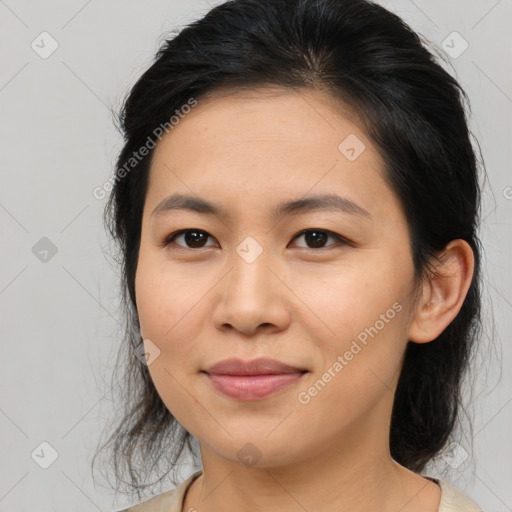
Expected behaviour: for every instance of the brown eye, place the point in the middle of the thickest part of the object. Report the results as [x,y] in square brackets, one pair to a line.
[192,238]
[317,238]
[197,238]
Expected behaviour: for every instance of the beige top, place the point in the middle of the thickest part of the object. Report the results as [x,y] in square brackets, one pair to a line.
[452,500]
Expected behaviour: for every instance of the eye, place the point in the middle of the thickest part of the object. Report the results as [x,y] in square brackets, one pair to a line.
[316,238]
[196,238]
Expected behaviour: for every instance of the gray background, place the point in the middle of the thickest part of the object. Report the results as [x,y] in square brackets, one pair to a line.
[59,322]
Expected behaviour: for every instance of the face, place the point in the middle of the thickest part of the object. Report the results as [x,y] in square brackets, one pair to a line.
[322,286]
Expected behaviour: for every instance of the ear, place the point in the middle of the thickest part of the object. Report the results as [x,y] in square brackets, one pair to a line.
[443,292]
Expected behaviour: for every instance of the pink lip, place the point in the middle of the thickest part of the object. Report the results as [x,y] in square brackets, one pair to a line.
[252,387]
[252,380]
[261,366]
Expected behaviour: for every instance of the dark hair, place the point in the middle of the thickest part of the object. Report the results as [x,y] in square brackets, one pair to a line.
[414,113]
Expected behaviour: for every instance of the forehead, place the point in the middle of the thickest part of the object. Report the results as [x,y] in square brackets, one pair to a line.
[231,116]
[257,144]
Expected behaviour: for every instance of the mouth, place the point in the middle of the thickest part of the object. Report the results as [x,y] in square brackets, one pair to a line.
[252,380]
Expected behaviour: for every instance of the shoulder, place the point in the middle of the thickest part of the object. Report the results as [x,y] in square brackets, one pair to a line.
[452,500]
[170,501]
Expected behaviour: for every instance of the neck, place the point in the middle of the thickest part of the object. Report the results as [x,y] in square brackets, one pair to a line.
[352,473]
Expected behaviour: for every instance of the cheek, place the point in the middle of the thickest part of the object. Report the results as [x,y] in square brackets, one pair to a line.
[359,366]
[348,299]
[173,306]
[365,310]
[166,300]
[166,309]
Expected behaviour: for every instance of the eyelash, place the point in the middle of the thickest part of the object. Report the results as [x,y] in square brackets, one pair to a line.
[343,241]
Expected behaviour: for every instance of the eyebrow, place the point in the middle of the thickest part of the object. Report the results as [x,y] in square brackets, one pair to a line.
[325,202]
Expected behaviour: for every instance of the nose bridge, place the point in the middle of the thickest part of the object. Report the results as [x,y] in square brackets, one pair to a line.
[250,262]
[251,296]
[250,249]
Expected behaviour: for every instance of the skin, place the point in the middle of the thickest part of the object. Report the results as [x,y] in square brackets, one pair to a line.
[299,303]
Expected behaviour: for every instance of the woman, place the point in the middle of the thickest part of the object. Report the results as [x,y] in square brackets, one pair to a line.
[296,206]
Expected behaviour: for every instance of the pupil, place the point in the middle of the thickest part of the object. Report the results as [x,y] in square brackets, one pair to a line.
[315,238]
[194,238]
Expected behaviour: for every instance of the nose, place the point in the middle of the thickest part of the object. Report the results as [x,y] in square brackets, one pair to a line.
[252,297]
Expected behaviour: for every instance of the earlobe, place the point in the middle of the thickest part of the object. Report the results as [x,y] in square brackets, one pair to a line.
[443,292]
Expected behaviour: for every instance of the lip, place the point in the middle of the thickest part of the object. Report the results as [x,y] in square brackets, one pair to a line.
[261,366]
[252,380]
